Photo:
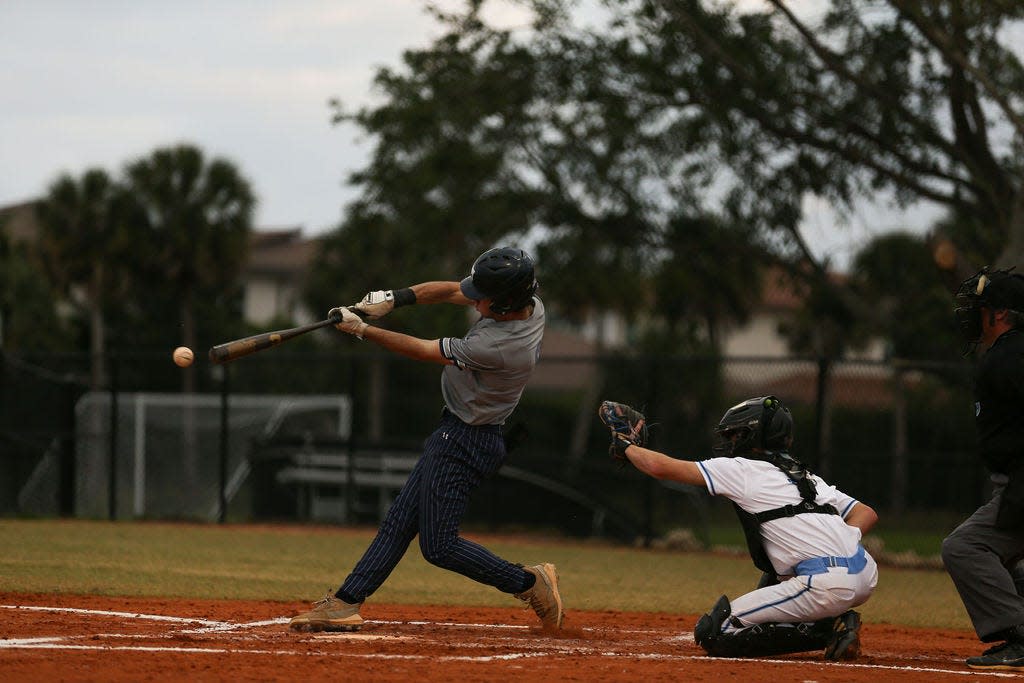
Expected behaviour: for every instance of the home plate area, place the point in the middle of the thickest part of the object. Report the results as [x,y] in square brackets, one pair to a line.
[78,638]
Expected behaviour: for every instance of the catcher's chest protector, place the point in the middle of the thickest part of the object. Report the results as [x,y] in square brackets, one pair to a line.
[752,522]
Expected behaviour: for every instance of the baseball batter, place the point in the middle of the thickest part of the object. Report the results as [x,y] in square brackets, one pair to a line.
[483,376]
[982,554]
[803,533]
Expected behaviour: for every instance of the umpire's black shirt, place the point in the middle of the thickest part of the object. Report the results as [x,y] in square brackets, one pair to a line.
[999,403]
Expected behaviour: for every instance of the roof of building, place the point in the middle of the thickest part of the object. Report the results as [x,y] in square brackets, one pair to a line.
[280,252]
[19,221]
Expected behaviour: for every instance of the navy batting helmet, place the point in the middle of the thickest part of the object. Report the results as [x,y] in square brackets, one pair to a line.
[504,275]
[761,424]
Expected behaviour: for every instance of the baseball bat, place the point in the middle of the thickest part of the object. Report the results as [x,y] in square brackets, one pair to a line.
[232,350]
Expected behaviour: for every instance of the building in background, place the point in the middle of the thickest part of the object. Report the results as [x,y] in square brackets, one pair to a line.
[274,277]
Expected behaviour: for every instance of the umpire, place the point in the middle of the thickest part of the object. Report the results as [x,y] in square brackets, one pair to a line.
[981,554]
[483,378]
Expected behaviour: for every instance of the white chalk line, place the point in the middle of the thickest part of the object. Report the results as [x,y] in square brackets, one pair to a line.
[126,615]
[226,627]
[217,626]
[24,645]
[57,643]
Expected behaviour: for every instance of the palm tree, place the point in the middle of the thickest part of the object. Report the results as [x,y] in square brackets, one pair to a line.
[199,217]
[82,241]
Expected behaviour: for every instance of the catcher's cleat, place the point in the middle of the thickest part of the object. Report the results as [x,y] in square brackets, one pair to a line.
[329,614]
[845,641]
[1008,656]
[543,597]
[709,626]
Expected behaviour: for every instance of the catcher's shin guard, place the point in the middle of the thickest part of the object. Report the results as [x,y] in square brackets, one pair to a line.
[761,640]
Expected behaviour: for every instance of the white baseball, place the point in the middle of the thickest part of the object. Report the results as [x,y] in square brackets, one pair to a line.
[183,356]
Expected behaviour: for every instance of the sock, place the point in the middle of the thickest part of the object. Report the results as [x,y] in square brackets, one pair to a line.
[528,582]
[345,597]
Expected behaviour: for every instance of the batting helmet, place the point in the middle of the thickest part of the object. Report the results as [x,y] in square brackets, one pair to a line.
[996,290]
[505,276]
[761,424]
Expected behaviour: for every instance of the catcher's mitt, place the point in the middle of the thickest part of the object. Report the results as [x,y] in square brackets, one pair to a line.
[628,426]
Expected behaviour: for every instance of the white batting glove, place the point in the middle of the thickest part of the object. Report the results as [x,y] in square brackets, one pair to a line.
[377,304]
[350,322]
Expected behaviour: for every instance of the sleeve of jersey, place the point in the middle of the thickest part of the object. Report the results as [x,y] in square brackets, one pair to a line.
[471,352]
[723,476]
[830,495]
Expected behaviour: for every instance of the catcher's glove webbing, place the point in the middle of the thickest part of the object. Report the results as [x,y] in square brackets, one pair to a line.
[628,427]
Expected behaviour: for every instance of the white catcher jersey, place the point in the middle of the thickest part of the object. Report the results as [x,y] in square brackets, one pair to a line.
[757,486]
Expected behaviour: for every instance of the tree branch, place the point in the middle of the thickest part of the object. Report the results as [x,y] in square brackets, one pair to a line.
[946,46]
[837,65]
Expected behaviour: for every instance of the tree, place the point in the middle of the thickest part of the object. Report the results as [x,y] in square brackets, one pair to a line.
[681,113]
[486,136]
[84,241]
[197,218]
[897,272]
[28,316]
[437,191]
[918,99]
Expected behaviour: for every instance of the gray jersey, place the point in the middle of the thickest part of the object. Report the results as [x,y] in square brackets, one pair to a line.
[492,365]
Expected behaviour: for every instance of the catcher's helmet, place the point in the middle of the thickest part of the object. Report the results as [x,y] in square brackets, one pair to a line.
[761,424]
[995,290]
[505,276]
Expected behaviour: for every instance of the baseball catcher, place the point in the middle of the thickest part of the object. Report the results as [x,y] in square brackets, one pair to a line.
[802,533]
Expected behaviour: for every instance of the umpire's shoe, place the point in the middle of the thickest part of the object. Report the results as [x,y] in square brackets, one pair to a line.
[1008,656]
[845,640]
[543,597]
[329,614]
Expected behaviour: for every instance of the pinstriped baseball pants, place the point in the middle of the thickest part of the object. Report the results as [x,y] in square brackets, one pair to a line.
[456,458]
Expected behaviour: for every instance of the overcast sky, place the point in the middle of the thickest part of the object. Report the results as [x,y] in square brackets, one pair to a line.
[99,83]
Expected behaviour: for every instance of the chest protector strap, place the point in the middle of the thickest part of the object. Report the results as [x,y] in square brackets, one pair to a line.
[752,522]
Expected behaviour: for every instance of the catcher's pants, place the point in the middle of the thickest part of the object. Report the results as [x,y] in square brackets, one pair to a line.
[982,561]
[806,598]
[456,458]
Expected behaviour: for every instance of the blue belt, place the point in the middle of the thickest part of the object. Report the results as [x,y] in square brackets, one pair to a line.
[820,565]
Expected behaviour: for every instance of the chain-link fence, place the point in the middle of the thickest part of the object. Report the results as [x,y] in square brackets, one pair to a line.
[899,436]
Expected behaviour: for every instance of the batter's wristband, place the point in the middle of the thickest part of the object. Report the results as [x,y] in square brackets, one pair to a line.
[404,297]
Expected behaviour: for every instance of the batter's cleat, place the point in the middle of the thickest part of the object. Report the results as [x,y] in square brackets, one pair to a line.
[710,625]
[329,614]
[845,640]
[543,597]
[1008,656]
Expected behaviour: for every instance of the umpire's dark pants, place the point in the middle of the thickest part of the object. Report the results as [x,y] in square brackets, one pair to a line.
[981,560]
[456,458]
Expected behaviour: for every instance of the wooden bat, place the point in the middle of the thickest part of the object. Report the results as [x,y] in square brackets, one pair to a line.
[229,351]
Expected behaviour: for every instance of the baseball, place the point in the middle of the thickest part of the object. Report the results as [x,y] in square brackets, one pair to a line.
[183,356]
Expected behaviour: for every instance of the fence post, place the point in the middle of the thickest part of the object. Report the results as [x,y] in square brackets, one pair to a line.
[822,427]
[350,487]
[112,443]
[66,466]
[898,472]
[224,435]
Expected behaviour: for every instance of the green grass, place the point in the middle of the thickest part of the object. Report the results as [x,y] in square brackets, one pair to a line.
[299,563]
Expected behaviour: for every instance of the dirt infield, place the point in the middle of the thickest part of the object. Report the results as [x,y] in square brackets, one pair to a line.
[83,638]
